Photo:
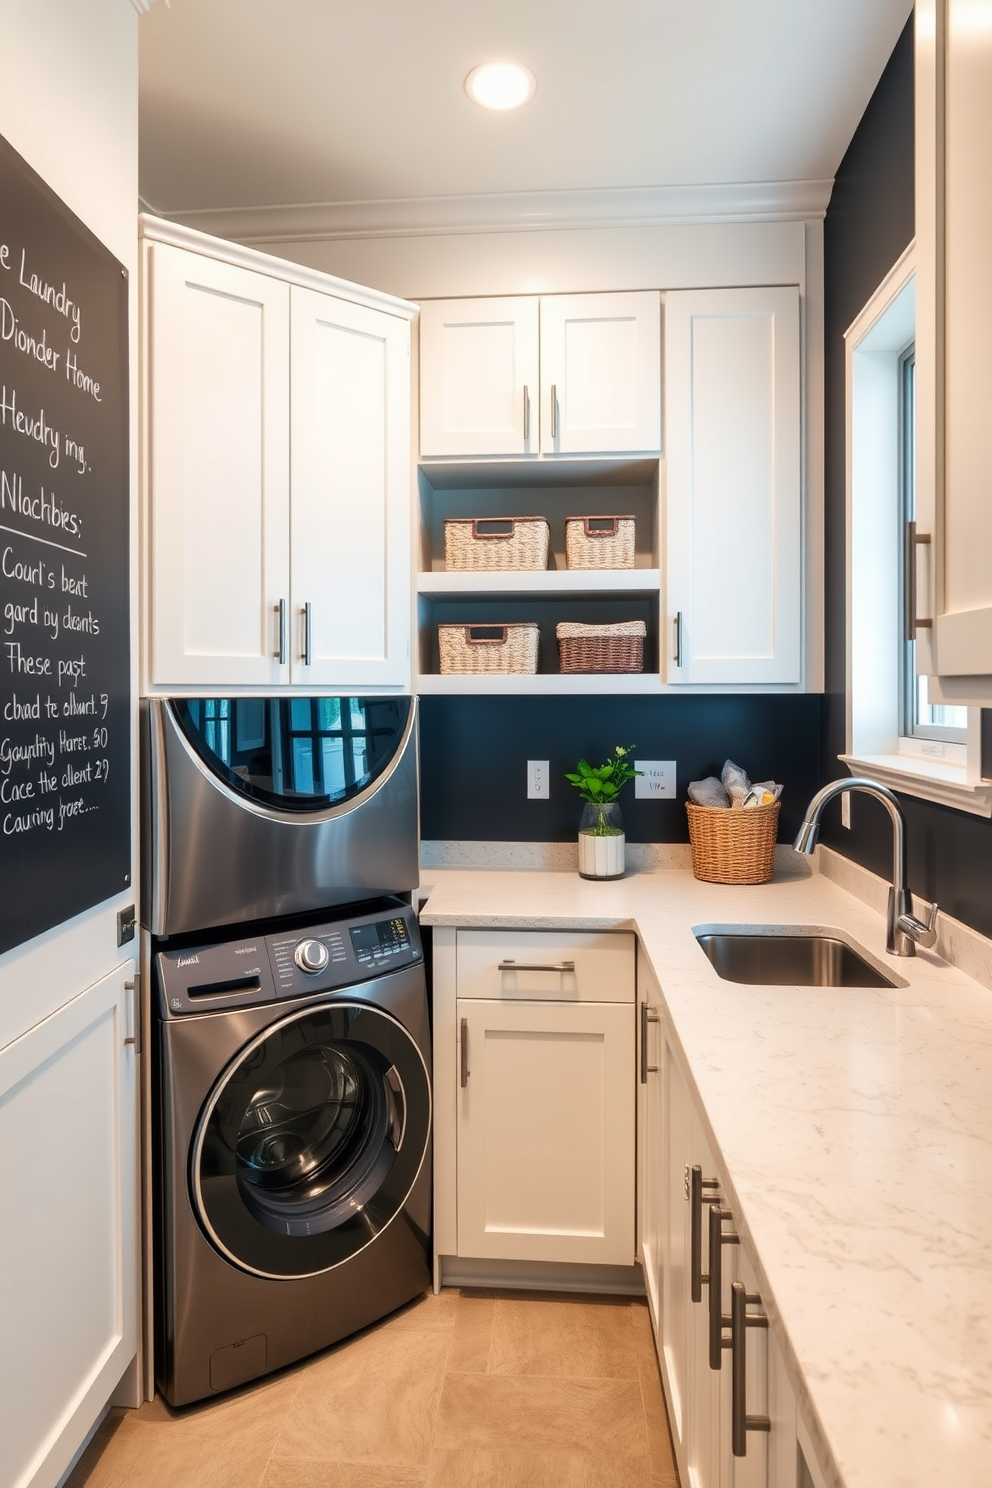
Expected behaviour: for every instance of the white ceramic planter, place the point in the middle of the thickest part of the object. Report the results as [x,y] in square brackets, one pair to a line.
[601,857]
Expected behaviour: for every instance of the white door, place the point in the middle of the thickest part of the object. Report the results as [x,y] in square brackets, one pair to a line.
[734,489]
[217,405]
[601,373]
[68,1288]
[546,1131]
[651,1150]
[479,377]
[350,502]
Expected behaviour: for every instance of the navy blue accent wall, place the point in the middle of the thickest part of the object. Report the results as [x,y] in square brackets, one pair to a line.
[474,752]
[869,223]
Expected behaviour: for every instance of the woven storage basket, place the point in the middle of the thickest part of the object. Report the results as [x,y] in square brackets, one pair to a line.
[601,648]
[599,542]
[735,847]
[479,649]
[494,543]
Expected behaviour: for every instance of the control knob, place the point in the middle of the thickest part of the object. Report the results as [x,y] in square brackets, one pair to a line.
[311,956]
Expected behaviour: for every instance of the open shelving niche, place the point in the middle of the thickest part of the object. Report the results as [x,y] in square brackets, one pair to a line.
[555,489]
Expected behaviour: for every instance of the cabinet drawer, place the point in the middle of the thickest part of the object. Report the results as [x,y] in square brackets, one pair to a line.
[602,965]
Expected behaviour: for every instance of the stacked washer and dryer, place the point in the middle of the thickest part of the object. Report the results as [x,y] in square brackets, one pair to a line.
[291,1094]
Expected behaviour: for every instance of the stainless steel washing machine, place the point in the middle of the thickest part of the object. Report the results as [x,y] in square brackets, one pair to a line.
[294,1110]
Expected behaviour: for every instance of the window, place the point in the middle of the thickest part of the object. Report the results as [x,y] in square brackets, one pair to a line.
[894,734]
[921,719]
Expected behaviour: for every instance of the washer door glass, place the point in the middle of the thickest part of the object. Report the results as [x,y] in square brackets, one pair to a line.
[298,754]
[311,1140]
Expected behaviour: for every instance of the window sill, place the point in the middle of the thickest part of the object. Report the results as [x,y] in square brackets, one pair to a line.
[931,780]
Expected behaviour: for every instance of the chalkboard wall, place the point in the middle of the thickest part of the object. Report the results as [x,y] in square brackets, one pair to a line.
[64,664]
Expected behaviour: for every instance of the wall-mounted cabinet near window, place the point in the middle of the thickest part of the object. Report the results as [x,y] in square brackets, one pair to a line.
[954,321]
[551,375]
[276,458]
[734,487]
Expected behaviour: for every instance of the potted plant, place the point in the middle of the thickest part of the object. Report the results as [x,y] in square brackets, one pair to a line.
[601,834]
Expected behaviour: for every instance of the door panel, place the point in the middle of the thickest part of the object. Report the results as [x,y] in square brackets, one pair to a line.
[350,493]
[219,470]
[546,1132]
[479,377]
[600,373]
[68,1287]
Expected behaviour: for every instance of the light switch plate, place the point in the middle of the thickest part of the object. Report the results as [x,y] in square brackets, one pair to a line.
[656,781]
[538,780]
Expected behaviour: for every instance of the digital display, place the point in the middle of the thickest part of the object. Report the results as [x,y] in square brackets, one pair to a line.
[381,940]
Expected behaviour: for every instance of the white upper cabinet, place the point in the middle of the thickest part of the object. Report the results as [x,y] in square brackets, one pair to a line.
[350,460]
[734,489]
[479,373]
[954,322]
[559,375]
[277,465]
[600,373]
[217,447]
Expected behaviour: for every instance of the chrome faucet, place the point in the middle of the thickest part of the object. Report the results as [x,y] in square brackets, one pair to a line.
[903,931]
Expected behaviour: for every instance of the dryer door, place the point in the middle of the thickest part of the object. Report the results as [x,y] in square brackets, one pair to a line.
[311,1140]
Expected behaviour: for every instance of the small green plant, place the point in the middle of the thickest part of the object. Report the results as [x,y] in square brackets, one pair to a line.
[600,785]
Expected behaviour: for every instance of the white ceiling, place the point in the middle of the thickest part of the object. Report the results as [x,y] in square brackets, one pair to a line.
[248,104]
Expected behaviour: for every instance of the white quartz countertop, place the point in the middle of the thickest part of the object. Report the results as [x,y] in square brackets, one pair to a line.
[853,1127]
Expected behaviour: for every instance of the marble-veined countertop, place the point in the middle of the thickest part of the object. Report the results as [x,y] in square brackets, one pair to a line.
[853,1127]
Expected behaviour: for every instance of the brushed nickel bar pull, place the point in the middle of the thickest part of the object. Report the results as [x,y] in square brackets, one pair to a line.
[914,540]
[308,634]
[554,411]
[535,966]
[718,1320]
[648,1015]
[740,1320]
[134,987]
[678,638]
[526,413]
[697,1198]
[283,652]
[463,1055]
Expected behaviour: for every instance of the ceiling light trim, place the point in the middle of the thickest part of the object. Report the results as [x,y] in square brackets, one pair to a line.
[522,211]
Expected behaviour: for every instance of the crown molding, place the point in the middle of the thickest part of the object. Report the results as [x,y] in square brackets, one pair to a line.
[519,211]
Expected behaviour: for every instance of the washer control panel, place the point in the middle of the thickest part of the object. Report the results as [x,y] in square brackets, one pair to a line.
[311,959]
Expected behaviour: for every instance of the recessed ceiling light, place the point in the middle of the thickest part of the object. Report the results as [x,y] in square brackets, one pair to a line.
[500,85]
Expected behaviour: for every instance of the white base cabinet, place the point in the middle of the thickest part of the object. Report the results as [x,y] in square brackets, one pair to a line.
[681,1198]
[535,1121]
[68,1281]
[276,436]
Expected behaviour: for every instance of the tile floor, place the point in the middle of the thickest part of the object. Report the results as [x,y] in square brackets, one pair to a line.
[466,1390]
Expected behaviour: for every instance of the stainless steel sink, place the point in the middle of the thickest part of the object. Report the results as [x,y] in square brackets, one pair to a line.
[767,957]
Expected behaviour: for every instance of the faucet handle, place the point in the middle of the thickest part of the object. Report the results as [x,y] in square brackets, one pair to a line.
[923,932]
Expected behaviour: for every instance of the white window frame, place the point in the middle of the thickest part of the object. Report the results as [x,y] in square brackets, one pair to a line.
[935,770]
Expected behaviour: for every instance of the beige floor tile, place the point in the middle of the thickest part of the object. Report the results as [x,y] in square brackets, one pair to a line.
[423,1312]
[251,1416]
[571,1337]
[369,1401]
[155,1456]
[640,1319]
[553,1415]
[471,1336]
[656,1421]
[481,1468]
[293,1472]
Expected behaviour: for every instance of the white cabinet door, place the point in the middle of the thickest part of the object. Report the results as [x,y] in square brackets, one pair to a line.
[600,373]
[218,471]
[479,377]
[734,489]
[350,500]
[68,1278]
[954,320]
[651,1198]
[546,1132]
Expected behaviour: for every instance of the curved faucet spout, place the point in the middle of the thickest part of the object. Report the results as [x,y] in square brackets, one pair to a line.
[901,933]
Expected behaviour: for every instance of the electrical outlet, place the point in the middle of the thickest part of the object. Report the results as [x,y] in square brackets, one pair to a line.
[656,781]
[538,780]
